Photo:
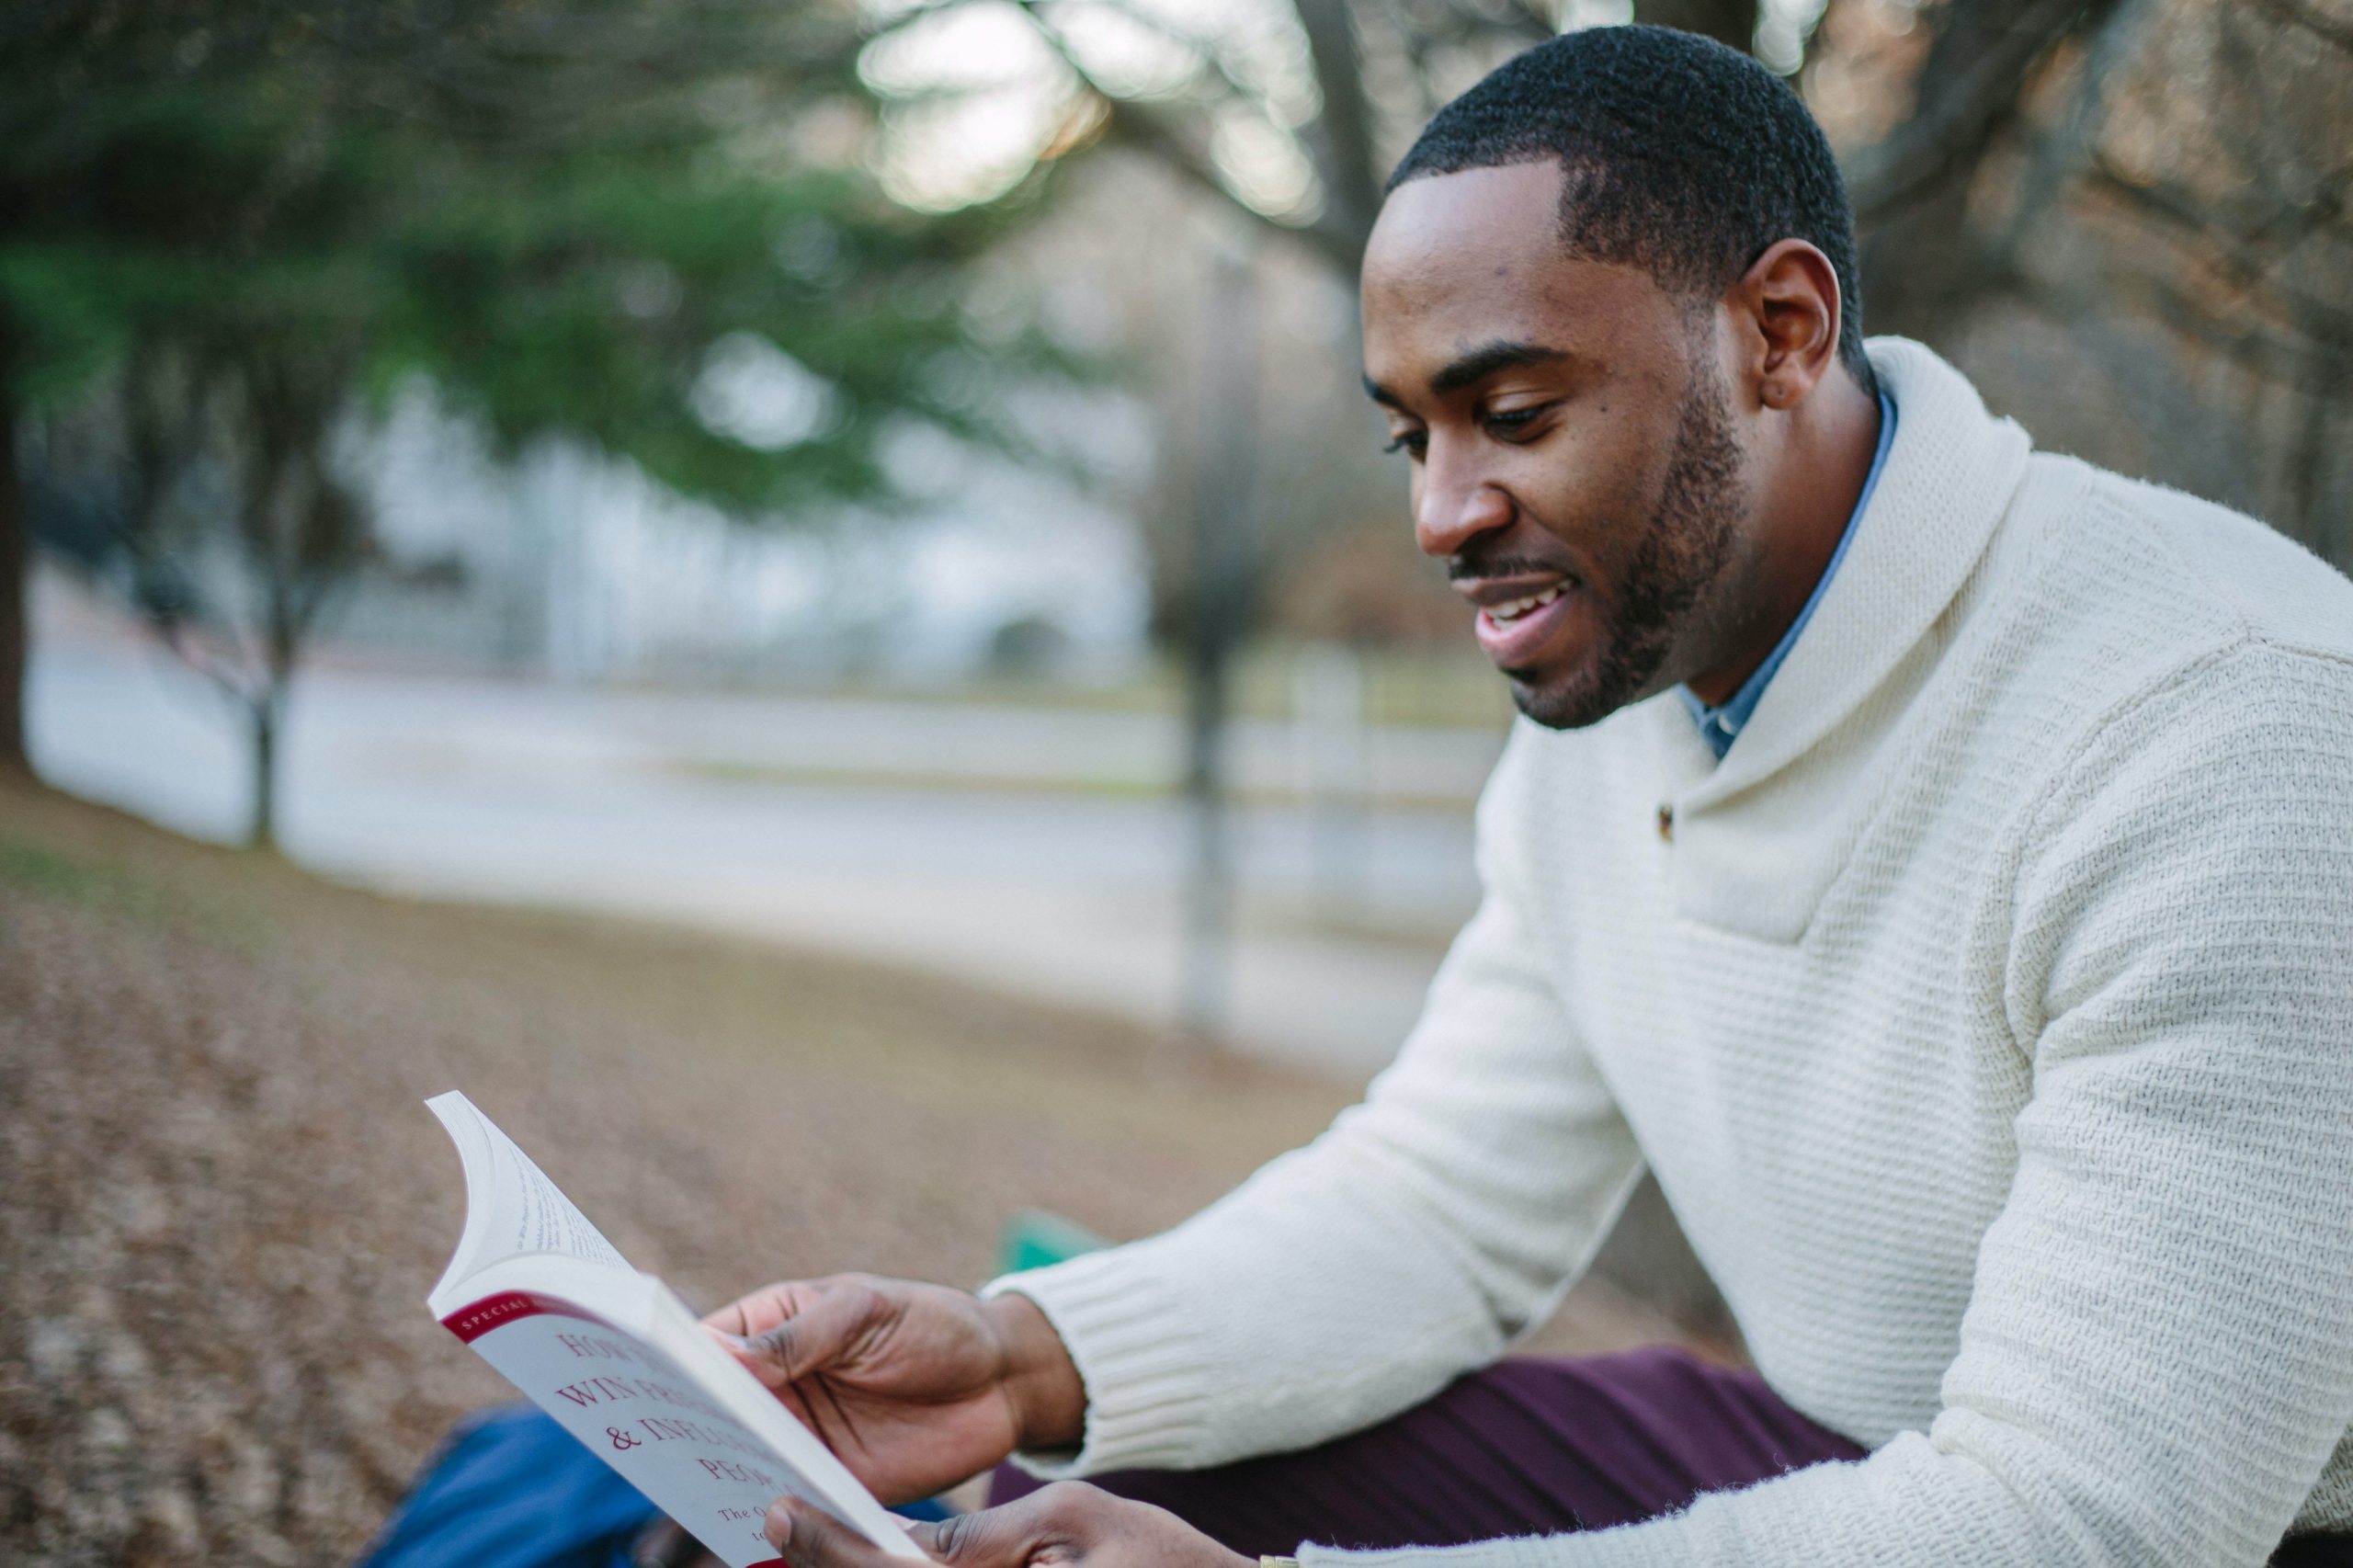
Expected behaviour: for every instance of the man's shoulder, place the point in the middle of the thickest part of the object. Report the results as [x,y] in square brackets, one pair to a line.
[2191,575]
[2156,632]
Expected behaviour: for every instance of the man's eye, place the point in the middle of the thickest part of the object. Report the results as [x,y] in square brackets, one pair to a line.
[1411,442]
[1508,422]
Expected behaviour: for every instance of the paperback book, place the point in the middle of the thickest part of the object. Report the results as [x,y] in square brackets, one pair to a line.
[623,1364]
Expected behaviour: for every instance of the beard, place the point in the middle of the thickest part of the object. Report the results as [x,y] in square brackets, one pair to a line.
[1669,574]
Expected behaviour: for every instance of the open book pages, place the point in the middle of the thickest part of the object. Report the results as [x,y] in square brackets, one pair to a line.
[621,1363]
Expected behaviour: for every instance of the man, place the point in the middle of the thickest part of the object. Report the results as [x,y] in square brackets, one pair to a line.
[1934,861]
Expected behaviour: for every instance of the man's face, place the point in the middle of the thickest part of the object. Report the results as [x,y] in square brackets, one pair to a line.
[1573,458]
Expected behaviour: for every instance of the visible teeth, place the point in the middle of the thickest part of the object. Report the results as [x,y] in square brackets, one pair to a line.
[1518,608]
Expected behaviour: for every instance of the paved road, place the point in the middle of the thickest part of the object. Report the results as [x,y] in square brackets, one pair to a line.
[948,836]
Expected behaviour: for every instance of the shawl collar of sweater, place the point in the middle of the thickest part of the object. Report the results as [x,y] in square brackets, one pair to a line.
[1950,476]
[1752,856]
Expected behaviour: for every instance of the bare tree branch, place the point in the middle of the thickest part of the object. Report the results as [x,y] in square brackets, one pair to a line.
[1970,81]
[1732,22]
[1534,21]
[1140,126]
[2059,156]
[1159,133]
[1343,136]
[2244,253]
[2311,18]
[2290,357]
[1207,50]
[172,631]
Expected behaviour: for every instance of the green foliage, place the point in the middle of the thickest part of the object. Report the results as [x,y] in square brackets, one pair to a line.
[222,223]
[557,236]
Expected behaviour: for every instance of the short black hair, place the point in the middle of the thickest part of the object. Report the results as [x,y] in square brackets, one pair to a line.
[1683,156]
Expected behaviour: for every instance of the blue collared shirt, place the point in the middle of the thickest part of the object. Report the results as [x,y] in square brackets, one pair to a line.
[1718,726]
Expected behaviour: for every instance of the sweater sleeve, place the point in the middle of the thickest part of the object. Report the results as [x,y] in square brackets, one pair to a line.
[2157,1356]
[1355,1277]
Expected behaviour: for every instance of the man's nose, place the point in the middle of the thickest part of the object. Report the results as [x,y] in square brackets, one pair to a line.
[1454,508]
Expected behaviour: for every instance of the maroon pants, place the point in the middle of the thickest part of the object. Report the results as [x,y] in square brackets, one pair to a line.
[1524,1448]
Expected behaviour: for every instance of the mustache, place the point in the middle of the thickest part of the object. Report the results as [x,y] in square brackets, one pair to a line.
[1472,564]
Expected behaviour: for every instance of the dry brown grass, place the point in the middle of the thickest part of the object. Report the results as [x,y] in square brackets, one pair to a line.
[222,1203]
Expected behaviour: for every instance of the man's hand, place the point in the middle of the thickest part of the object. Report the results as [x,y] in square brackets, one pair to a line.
[914,1387]
[1068,1524]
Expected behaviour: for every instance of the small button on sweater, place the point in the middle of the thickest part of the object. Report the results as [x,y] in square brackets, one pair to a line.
[1986,1016]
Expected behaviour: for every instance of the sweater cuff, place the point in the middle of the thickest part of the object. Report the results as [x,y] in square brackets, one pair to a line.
[1519,1551]
[1628,1546]
[1139,1355]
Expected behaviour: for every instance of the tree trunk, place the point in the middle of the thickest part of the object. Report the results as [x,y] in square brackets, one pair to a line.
[1926,265]
[1343,133]
[1923,268]
[1223,562]
[2311,454]
[1727,21]
[16,553]
[266,716]
[1203,1003]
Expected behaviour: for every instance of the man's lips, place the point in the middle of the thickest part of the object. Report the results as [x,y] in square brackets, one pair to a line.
[1518,614]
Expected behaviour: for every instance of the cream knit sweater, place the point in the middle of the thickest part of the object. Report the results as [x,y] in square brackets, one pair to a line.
[1987,1019]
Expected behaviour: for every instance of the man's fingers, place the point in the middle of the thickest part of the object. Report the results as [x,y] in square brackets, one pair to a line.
[787,1332]
[763,1308]
[812,1338]
[808,1537]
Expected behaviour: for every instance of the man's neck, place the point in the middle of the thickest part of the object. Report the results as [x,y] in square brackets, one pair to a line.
[1819,478]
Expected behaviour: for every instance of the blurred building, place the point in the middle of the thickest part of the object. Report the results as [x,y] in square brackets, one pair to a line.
[571,565]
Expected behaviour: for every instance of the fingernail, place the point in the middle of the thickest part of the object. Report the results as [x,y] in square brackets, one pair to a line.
[778,1524]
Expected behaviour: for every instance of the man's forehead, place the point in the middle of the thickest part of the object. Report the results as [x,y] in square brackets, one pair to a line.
[1453,231]
[1436,325]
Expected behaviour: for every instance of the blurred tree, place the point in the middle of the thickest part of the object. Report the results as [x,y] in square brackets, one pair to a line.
[572,217]
[15,546]
[231,468]
[1730,22]
[2129,219]
[1295,118]
[1292,118]
[2009,158]
[1911,188]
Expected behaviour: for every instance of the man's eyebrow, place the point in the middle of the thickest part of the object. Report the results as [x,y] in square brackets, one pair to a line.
[1473,367]
[1486,360]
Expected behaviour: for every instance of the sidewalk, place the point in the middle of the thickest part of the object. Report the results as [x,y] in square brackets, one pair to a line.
[1029,849]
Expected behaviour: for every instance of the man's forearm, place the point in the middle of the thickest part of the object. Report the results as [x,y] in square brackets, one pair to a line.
[1040,1379]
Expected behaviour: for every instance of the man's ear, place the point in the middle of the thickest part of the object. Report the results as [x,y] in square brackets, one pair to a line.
[1788,308]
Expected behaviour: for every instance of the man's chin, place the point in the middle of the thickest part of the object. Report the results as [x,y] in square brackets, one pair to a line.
[1588,691]
[1560,703]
